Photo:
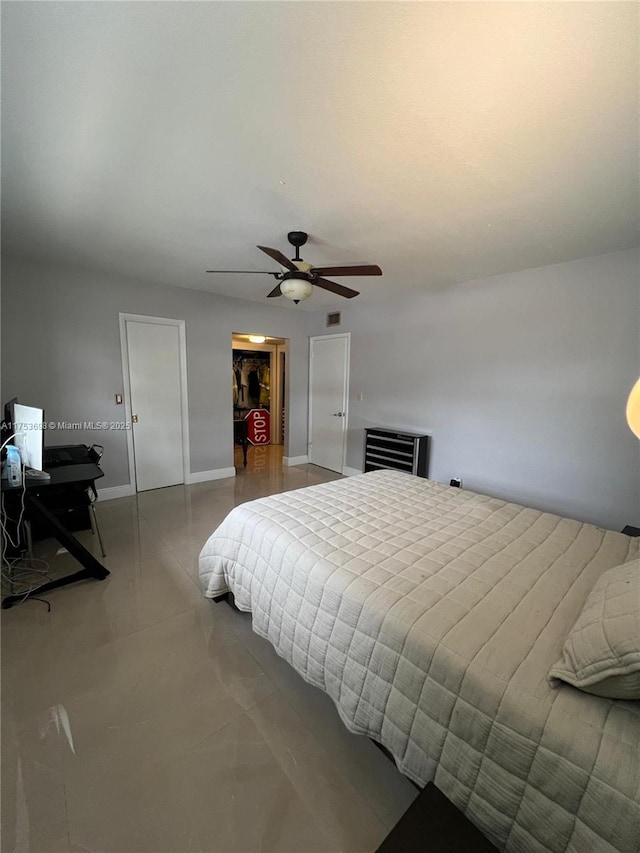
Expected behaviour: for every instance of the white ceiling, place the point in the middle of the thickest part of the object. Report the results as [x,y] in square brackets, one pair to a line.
[444,141]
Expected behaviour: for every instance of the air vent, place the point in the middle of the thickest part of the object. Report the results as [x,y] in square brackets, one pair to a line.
[333,319]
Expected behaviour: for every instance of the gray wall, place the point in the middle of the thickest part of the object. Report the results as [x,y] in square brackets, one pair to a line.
[61,350]
[520,379]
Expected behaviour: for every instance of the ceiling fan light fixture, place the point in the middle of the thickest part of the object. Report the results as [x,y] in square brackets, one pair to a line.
[257,339]
[633,409]
[296,288]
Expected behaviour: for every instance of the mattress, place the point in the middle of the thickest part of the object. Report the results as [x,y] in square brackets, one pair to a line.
[432,617]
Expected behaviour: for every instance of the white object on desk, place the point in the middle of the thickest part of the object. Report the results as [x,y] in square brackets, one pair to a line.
[32,474]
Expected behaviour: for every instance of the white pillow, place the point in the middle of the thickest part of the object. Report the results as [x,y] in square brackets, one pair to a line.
[601,655]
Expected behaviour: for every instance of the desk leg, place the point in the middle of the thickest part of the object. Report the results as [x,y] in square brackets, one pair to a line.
[245,447]
[92,568]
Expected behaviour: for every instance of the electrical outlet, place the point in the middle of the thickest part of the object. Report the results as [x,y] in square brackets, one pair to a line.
[456,482]
[359,397]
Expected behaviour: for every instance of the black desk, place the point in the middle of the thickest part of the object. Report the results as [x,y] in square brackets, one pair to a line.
[67,475]
[36,490]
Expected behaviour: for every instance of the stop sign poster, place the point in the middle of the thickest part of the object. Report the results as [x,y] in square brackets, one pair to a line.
[258,426]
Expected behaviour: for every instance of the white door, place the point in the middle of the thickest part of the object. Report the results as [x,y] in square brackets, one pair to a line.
[328,391]
[156,404]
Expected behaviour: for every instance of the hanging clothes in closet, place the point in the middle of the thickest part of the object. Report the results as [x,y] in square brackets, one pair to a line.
[264,398]
[254,387]
[251,382]
[244,383]
[236,389]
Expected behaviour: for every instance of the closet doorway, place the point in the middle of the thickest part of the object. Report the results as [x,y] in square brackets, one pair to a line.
[259,401]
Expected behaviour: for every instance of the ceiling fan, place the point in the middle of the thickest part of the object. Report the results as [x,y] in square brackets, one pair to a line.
[299,277]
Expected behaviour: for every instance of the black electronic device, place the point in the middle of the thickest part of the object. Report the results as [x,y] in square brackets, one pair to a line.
[71,454]
[53,457]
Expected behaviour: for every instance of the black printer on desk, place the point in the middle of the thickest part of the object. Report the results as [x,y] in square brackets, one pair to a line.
[71,454]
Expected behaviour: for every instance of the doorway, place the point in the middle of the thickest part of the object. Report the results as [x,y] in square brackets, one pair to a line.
[155,398]
[328,396]
[259,401]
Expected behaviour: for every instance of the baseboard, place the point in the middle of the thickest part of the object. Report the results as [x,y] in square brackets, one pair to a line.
[216,474]
[350,472]
[295,460]
[113,492]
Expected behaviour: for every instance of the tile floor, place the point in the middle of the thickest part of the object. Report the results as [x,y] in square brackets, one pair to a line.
[139,717]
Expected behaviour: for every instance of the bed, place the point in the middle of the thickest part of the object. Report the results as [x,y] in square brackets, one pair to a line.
[432,617]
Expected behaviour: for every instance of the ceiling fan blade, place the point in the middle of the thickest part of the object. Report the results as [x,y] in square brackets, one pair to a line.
[358,269]
[276,291]
[335,288]
[261,272]
[279,258]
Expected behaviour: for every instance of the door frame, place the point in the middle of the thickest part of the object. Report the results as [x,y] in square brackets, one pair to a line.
[126,387]
[347,372]
[275,378]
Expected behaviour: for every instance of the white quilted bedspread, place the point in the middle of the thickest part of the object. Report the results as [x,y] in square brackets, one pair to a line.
[432,617]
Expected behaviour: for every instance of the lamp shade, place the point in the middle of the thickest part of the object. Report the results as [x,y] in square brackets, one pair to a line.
[296,289]
[633,409]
